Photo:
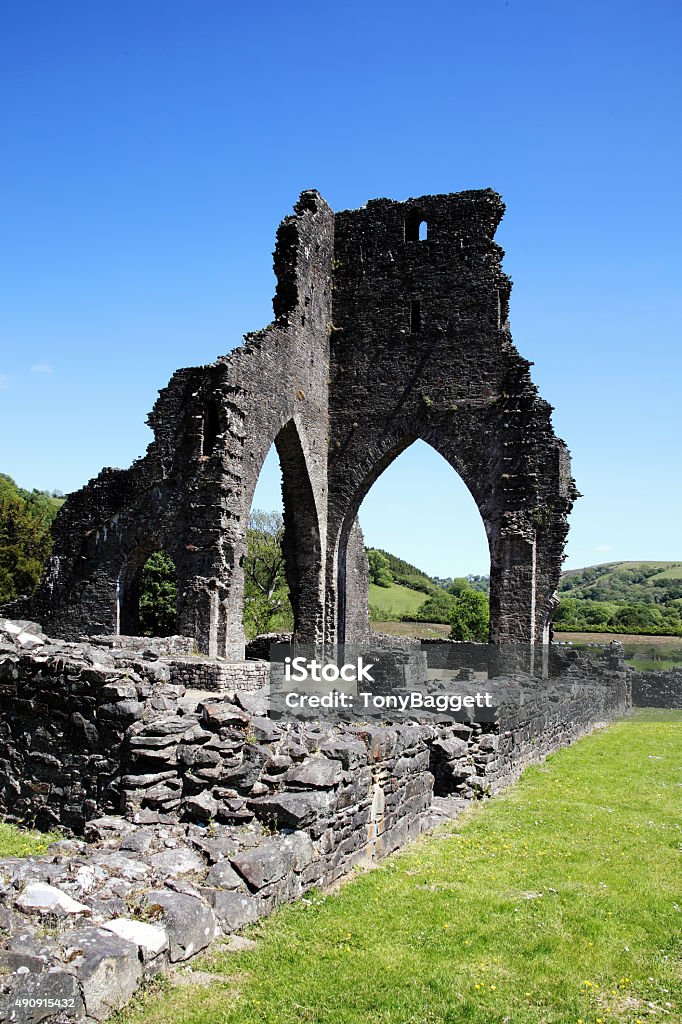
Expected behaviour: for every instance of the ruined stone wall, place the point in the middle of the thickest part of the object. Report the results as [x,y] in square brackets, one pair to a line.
[191,494]
[216,675]
[421,348]
[84,734]
[657,689]
[379,339]
[203,814]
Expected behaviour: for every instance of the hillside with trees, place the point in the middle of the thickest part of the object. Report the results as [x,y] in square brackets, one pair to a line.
[396,570]
[401,591]
[651,583]
[619,597]
[622,597]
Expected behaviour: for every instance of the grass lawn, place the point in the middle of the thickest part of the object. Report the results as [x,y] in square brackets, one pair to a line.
[559,902]
[420,630]
[16,842]
[395,600]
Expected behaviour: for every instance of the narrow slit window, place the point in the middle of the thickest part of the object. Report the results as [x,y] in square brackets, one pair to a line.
[416,227]
[415,316]
[211,427]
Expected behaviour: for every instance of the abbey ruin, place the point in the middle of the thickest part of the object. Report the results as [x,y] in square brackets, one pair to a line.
[202,808]
[391,324]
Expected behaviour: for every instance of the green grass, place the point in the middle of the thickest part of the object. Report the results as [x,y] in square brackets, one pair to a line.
[419,630]
[652,665]
[19,842]
[555,903]
[395,600]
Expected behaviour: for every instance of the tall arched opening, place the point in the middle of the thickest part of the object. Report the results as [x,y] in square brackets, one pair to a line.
[414,504]
[290,572]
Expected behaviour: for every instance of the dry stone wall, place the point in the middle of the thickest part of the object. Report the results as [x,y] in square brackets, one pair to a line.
[202,814]
[217,675]
[87,731]
[657,689]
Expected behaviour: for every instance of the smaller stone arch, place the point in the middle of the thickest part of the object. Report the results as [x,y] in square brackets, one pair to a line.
[128,588]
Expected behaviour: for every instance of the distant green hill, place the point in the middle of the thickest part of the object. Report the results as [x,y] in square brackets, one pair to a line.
[616,597]
[622,597]
[407,575]
[652,583]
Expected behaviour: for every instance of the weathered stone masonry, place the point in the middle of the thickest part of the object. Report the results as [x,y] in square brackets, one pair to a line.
[204,814]
[379,338]
[86,731]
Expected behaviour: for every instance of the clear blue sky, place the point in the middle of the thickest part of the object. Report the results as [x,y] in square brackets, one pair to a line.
[151,148]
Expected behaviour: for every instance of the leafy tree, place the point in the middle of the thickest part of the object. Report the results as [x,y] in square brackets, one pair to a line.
[25,539]
[672,618]
[459,585]
[266,595]
[437,608]
[568,612]
[637,617]
[158,596]
[574,613]
[470,617]
[379,569]
[481,583]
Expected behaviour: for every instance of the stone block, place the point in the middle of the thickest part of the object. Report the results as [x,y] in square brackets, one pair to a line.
[223,876]
[108,969]
[46,899]
[291,810]
[54,996]
[188,922]
[233,910]
[314,773]
[266,863]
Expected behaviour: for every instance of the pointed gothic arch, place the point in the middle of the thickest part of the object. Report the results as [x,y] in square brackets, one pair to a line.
[373,471]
